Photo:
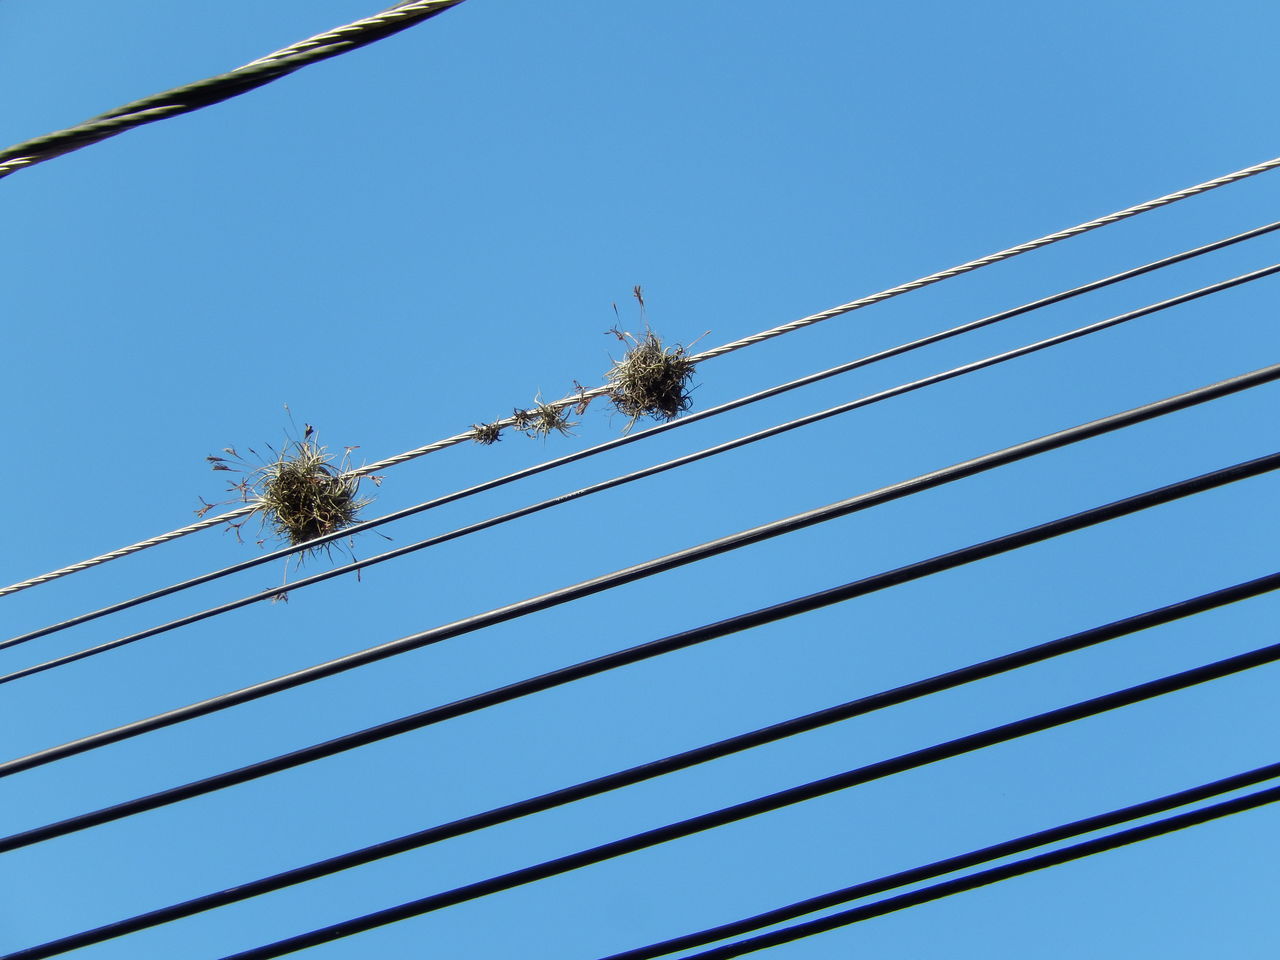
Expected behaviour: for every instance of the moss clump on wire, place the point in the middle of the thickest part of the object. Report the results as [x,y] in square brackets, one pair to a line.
[651,380]
[300,493]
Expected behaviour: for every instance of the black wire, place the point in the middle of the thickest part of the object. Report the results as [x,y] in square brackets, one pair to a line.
[274,592]
[680,761]
[983,878]
[842,508]
[775,801]
[642,434]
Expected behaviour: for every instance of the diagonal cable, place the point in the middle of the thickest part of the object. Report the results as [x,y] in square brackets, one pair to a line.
[355,565]
[204,93]
[732,542]
[775,801]
[983,878]
[852,305]
[641,434]
[716,547]
[681,761]
[513,691]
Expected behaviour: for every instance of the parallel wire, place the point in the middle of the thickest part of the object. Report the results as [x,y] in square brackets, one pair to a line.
[983,878]
[682,761]
[203,93]
[767,804]
[723,545]
[706,355]
[642,434]
[269,68]
[434,715]
[481,525]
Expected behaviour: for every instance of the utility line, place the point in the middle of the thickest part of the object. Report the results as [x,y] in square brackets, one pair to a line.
[565,675]
[776,801]
[681,761]
[828,314]
[725,544]
[642,434]
[983,878]
[203,93]
[478,526]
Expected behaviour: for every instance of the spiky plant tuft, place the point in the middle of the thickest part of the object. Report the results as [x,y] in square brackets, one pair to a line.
[301,492]
[544,418]
[651,380]
[304,496]
[486,433]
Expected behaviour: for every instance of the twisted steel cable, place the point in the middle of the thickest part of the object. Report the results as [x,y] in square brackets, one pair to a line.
[627,438]
[204,93]
[566,402]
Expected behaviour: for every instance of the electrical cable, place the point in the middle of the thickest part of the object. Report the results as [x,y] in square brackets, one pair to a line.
[1018,868]
[274,592]
[734,541]
[852,305]
[204,93]
[767,804]
[590,667]
[642,434]
[681,761]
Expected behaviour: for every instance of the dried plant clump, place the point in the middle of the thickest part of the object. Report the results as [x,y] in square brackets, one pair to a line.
[303,496]
[522,419]
[651,380]
[547,417]
[299,494]
[486,433]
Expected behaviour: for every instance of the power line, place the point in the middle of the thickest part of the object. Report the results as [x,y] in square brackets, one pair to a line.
[1042,861]
[204,93]
[852,305]
[481,525]
[732,542]
[681,761]
[642,434]
[565,675]
[767,804]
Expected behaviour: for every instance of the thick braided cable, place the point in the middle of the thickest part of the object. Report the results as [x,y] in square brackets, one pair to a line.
[576,398]
[867,301]
[992,258]
[203,93]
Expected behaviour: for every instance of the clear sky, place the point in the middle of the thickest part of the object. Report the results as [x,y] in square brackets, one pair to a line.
[426,233]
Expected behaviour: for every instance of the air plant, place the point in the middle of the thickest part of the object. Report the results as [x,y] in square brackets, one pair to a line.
[544,418]
[486,434]
[651,379]
[299,492]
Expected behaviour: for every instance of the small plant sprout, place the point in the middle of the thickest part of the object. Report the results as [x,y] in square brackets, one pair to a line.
[583,401]
[299,493]
[543,418]
[486,433]
[522,419]
[651,379]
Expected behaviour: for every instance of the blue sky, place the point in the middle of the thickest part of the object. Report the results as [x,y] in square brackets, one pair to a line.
[425,233]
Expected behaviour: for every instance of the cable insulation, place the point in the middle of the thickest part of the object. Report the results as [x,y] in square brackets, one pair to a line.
[770,803]
[682,761]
